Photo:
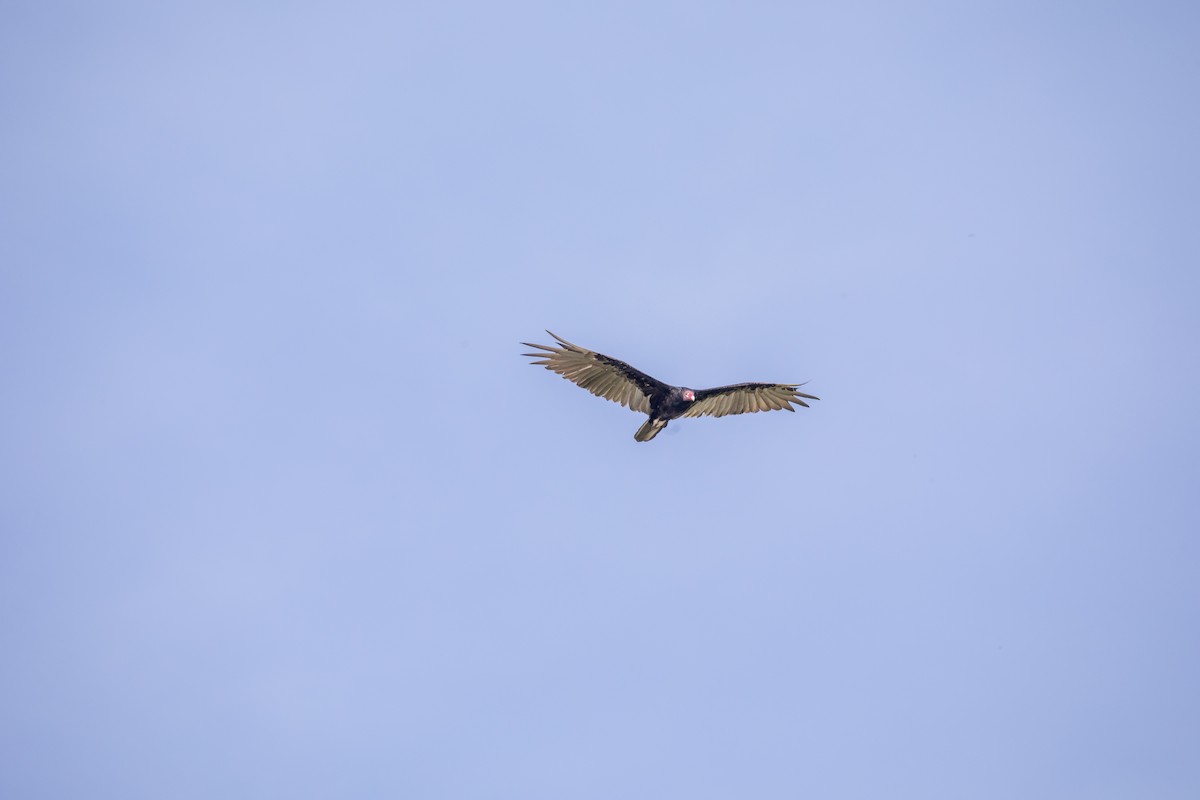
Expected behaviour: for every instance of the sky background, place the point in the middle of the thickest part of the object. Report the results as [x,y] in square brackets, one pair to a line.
[283,512]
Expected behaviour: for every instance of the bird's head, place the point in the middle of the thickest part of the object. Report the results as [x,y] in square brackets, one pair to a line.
[689,395]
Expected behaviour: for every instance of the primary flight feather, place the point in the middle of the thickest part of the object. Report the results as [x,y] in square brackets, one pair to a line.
[612,379]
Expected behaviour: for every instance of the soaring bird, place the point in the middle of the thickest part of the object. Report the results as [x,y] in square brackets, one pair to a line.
[607,377]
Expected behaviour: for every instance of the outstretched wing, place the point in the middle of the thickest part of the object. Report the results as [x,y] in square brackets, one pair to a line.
[746,398]
[601,375]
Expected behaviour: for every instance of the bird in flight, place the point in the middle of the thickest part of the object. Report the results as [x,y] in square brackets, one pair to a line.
[605,376]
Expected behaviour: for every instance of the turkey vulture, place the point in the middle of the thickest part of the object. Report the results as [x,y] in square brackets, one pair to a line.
[615,380]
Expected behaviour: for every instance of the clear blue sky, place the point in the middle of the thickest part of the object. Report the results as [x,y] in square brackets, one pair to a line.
[285,514]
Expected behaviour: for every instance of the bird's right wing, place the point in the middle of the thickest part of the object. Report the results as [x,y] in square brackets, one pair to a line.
[601,375]
[747,398]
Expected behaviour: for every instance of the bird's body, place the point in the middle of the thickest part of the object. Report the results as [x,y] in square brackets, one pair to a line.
[615,380]
[671,402]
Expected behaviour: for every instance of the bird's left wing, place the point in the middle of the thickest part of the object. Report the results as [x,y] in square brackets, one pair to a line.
[746,398]
[601,375]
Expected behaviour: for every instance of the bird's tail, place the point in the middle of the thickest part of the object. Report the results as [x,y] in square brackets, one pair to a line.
[650,429]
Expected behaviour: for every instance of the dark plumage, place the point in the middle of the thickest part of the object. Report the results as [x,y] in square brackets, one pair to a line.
[615,380]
